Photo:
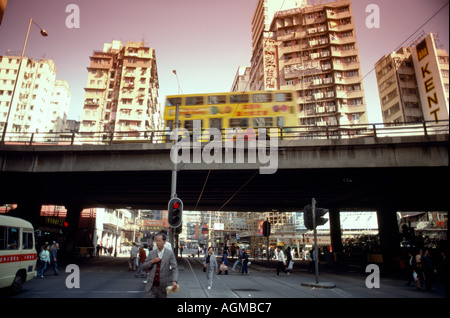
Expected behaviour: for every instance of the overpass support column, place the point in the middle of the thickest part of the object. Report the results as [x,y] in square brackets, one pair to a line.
[73,220]
[389,237]
[335,233]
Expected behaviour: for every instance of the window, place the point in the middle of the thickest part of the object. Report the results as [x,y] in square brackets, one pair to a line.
[189,124]
[238,123]
[215,123]
[262,98]
[280,121]
[2,238]
[241,98]
[175,101]
[262,122]
[194,100]
[351,73]
[9,238]
[27,240]
[218,99]
[283,97]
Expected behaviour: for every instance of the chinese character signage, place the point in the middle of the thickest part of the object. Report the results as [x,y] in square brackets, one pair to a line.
[270,64]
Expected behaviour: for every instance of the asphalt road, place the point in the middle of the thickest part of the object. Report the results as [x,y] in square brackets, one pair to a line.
[102,278]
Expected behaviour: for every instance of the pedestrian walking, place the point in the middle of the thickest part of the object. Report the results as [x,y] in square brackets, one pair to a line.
[132,260]
[210,265]
[245,263]
[54,258]
[281,261]
[239,260]
[410,268]
[312,264]
[442,267]
[163,268]
[289,261]
[428,270]
[419,271]
[233,250]
[142,256]
[44,257]
[224,263]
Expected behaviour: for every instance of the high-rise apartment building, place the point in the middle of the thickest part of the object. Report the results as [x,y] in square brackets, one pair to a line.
[40,101]
[122,91]
[397,87]
[262,63]
[312,49]
[57,117]
[241,80]
[409,91]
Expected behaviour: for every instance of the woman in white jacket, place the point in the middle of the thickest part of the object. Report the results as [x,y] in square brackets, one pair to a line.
[210,265]
[44,257]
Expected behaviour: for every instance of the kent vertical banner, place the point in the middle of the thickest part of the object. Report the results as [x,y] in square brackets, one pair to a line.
[429,80]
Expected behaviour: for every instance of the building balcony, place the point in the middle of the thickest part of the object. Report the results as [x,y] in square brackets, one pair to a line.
[346,53]
[131,117]
[291,49]
[92,102]
[346,66]
[338,15]
[341,41]
[350,109]
[316,20]
[347,80]
[112,220]
[96,66]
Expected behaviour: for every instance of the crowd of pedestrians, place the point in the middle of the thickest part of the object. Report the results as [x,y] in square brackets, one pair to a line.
[423,270]
[48,257]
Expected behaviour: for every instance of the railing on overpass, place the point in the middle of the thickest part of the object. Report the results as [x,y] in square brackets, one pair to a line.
[281,133]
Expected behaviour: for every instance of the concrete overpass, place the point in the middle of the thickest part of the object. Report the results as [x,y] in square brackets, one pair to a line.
[383,174]
[403,173]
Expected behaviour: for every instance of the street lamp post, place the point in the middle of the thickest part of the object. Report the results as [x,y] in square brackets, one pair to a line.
[43,33]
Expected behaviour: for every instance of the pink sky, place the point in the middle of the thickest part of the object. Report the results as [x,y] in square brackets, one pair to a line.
[204,40]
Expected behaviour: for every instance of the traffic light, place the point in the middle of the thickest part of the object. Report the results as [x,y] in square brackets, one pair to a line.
[308,217]
[320,220]
[175,209]
[179,229]
[266,228]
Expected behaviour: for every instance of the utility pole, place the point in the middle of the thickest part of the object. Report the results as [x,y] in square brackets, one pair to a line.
[316,254]
[175,164]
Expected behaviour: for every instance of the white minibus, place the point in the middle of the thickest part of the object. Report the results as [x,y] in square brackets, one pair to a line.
[17,252]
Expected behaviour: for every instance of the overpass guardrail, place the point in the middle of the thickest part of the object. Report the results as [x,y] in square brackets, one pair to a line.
[280,133]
